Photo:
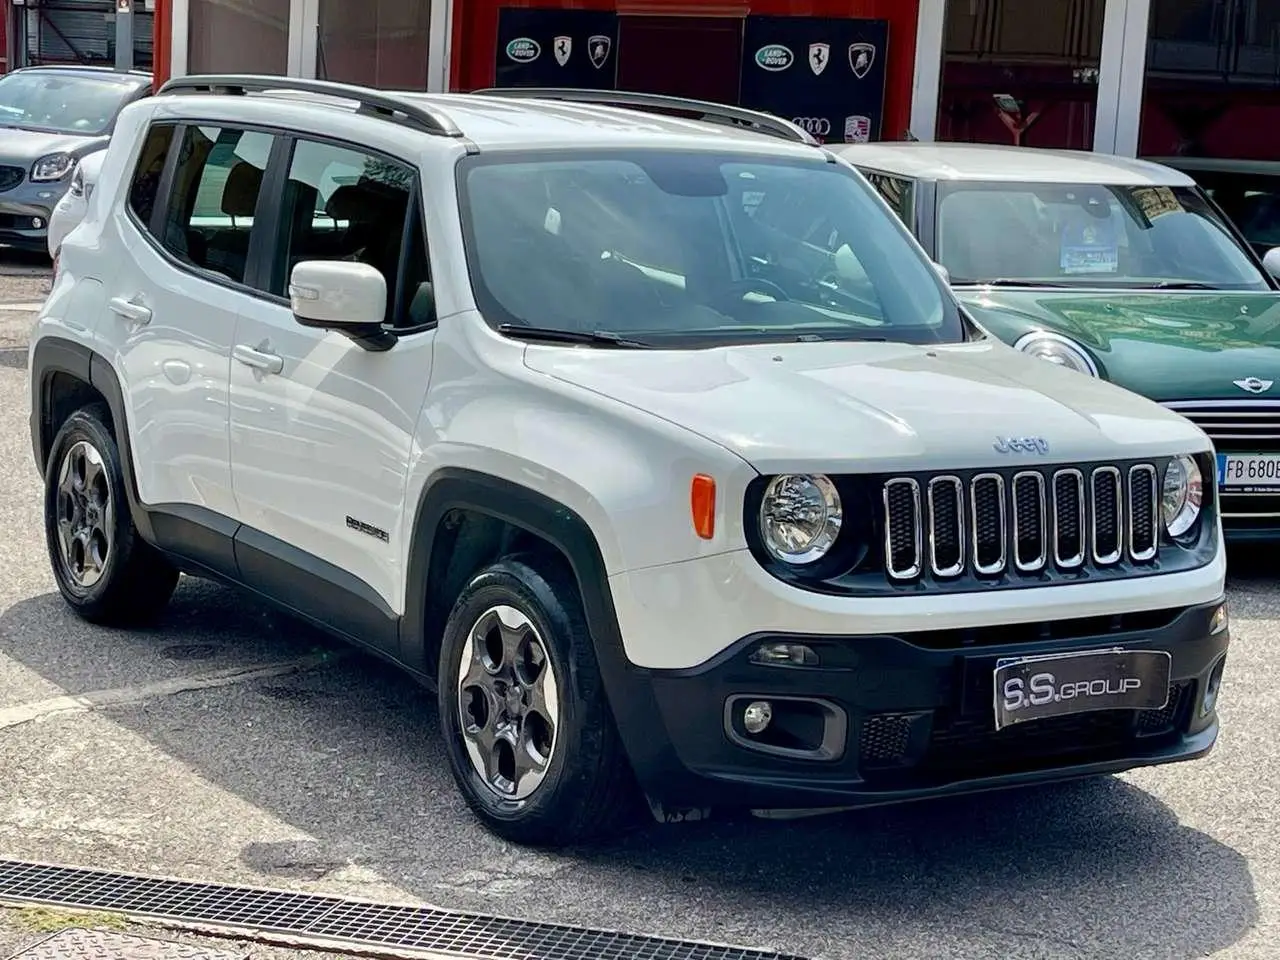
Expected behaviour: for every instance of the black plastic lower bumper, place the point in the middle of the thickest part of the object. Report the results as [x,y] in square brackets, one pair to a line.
[883,719]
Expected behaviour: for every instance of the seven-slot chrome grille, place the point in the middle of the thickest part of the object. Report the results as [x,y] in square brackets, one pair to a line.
[1019,523]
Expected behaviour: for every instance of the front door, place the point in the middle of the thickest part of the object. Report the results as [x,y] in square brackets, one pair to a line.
[322,429]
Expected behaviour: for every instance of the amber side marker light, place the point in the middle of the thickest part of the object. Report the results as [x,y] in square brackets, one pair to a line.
[702,500]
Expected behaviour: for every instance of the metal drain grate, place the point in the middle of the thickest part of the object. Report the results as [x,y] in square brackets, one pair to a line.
[284,914]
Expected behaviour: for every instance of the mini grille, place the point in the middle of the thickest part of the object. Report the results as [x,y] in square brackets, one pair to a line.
[884,738]
[995,525]
[1235,426]
[10,177]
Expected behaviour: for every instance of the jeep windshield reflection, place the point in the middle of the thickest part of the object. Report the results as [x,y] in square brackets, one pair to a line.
[668,248]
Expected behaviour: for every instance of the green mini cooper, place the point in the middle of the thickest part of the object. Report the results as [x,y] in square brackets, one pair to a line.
[1117,268]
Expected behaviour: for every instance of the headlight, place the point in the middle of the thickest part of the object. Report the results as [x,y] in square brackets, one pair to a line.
[53,167]
[800,518]
[1180,496]
[77,184]
[1058,349]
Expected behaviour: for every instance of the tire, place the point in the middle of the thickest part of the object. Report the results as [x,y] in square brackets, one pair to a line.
[119,579]
[586,790]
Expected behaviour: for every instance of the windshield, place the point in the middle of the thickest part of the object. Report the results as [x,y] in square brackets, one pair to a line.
[61,103]
[1083,235]
[671,248]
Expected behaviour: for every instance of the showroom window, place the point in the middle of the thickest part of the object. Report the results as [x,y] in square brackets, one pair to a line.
[238,36]
[381,43]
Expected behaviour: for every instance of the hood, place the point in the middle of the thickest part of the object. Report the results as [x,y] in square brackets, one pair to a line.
[862,407]
[28,146]
[1168,346]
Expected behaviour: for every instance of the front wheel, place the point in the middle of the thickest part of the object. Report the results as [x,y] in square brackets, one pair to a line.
[530,737]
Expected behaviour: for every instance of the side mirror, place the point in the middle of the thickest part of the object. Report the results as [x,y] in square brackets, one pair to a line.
[1271,260]
[943,272]
[350,298]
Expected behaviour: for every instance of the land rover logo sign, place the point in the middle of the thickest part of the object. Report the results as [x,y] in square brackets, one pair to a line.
[524,50]
[774,57]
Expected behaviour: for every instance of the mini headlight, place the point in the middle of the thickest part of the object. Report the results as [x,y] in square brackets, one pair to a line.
[800,517]
[53,167]
[1056,348]
[1181,495]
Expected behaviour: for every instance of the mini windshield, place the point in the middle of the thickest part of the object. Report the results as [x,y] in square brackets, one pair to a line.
[680,248]
[61,102]
[1082,235]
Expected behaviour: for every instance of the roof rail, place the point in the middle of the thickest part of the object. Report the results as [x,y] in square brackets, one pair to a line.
[372,102]
[714,112]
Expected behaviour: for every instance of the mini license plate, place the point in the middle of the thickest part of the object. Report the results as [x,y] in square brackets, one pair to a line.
[1242,471]
[1054,685]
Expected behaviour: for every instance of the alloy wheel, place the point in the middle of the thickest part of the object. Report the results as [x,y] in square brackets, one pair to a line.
[508,702]
[85,514]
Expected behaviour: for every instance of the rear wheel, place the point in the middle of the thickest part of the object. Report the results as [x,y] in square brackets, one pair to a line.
[104,570]
[531,740]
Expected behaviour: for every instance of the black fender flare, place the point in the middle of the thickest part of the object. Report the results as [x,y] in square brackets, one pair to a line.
[453,488]
[58,355]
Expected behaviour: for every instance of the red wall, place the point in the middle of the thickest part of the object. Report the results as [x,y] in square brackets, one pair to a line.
[162,42]
[475,36]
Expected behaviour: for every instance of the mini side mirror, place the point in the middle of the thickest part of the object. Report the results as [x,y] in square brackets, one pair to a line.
[1271,260]
[340,295]
[943,272]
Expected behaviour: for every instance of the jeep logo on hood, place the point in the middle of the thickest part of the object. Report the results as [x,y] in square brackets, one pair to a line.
[774,57]
[524,50]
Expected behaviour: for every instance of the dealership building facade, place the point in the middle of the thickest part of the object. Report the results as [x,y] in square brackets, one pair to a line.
[1135,77]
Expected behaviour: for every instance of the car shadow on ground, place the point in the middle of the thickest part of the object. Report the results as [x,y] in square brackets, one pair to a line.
[350,754]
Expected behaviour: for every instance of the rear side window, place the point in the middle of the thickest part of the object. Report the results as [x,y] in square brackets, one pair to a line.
[896,192]
[146,176]
[210,215]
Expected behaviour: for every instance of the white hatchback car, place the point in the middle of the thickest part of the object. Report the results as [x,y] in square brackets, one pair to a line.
[653,441]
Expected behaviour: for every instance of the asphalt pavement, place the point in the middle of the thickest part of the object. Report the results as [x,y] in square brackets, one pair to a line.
[232,744]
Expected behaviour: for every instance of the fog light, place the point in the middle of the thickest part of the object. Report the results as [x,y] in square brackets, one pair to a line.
[37,223]
[785,654]
[1211,689]
[1218,622]
[756,716]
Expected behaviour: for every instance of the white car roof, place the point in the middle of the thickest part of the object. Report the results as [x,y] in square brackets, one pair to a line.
[994,162]
[493,122]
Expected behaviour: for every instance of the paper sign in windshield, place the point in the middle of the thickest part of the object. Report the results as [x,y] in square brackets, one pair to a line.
[1090,247]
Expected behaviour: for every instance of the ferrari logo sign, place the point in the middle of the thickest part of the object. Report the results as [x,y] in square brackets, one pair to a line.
[563,47]
[819,56]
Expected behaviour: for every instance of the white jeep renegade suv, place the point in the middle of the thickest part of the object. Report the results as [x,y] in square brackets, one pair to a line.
[642,429]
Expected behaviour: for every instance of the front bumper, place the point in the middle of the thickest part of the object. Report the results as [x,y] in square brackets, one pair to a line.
[907,716]
[25,212]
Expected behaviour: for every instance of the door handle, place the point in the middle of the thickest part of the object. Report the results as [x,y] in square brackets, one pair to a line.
[136,313]
[258,359]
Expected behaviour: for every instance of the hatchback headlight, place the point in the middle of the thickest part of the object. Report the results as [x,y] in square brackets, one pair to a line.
[53,167]
[1181,495]
[800,517]
[1056,348]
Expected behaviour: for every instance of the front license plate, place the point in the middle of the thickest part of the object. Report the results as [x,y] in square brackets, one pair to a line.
[1032,688]
[1244,470]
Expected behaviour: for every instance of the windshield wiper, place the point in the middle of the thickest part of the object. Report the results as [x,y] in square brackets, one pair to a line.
[552,335]
[1180,285]
[1008,282]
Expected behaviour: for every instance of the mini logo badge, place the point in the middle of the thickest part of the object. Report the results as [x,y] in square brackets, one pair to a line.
[1021,445]
[819,57]
[563,46]
[524,50]
[598,48]
[1254,384]
[774,57]
[861,57]
[857,129]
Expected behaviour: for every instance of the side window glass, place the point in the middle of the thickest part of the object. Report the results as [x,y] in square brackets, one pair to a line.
[342,204]
[146,175]
[215,191]
[896,192]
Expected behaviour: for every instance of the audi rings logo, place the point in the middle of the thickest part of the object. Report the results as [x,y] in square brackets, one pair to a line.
[818,126]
